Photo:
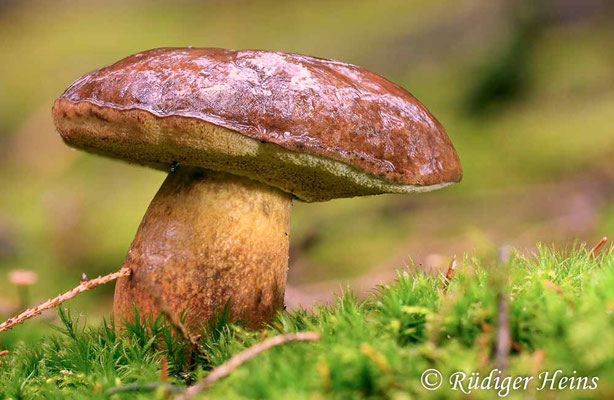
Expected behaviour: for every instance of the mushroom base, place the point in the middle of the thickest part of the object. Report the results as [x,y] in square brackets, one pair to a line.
[209,239]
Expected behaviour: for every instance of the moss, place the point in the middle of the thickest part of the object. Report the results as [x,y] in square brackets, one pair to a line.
[376,348]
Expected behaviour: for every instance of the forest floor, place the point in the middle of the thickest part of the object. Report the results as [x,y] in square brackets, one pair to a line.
[525,315]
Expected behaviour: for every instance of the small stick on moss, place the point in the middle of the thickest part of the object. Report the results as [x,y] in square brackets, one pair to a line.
[247,354]
[504,339]
[449,273]
[83,287]
[4,352]
[598,246]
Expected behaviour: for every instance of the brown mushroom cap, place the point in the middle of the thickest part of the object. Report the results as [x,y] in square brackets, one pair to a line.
[319,129]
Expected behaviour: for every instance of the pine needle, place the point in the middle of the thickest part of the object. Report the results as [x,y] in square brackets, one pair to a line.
[450,273]
[598,246]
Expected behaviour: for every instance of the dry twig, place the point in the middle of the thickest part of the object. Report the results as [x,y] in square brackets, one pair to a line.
[238,359]
[83,287]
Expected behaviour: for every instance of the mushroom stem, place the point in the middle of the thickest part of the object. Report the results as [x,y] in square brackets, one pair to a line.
[209,238]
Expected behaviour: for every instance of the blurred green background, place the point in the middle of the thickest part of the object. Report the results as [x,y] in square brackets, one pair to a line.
[525,90]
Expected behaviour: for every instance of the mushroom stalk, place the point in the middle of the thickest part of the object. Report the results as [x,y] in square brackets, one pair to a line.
[209,238]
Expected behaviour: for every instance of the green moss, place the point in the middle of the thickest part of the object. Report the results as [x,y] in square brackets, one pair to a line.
[377,348]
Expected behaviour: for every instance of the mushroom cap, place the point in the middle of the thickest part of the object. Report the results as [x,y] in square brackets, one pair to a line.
[22,277]
[319,129]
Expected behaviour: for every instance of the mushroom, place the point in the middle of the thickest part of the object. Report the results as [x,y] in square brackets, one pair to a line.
[23,279]
[243,133]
